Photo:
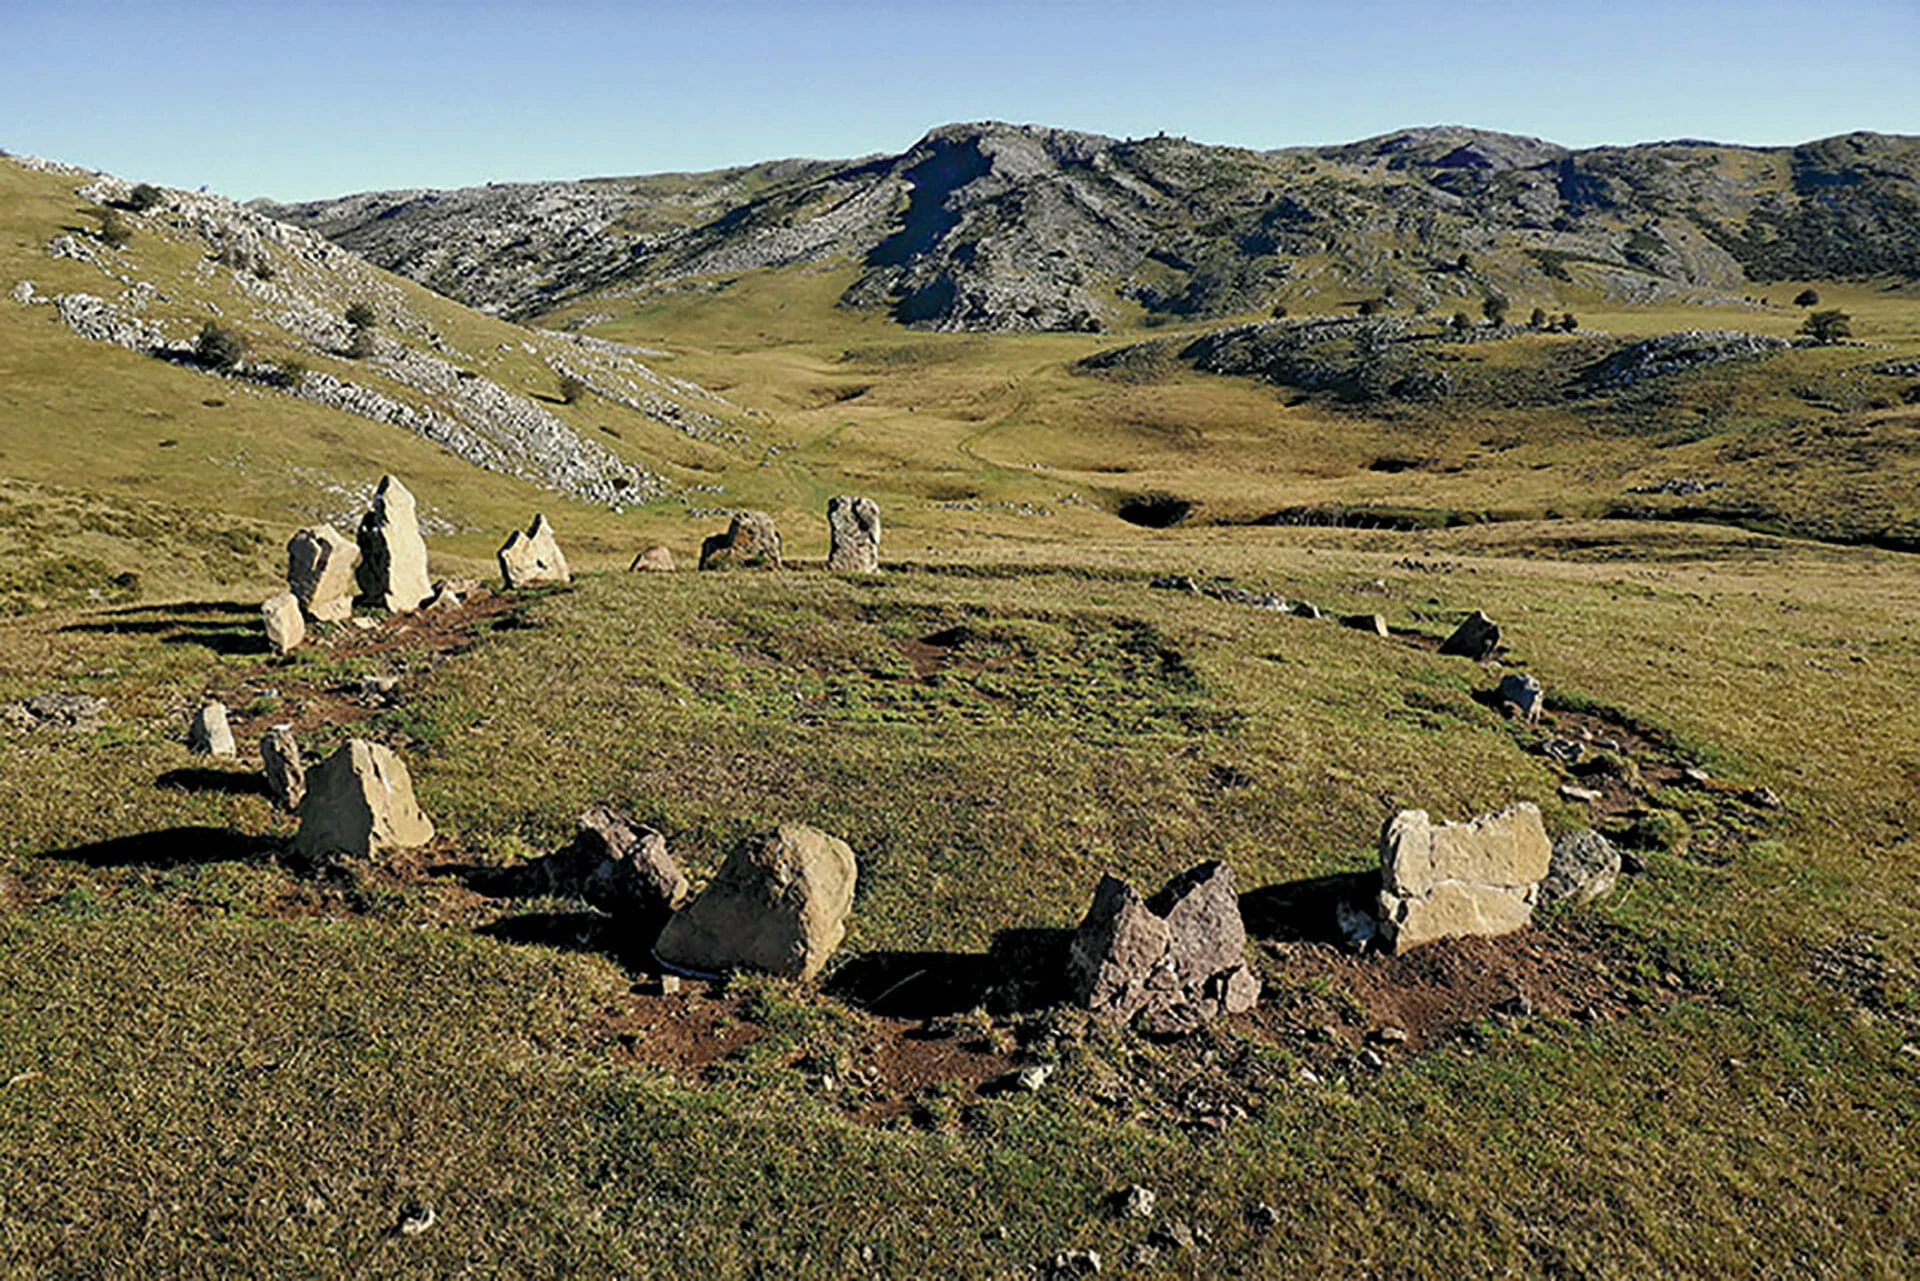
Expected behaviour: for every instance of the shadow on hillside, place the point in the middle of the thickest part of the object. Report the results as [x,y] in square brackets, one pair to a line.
[1309,910]
[221,626]
[219,781]
[172,847]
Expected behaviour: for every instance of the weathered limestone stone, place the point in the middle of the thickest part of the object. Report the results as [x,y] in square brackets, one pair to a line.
[1370,623]
[620,868]
[1174,962]
[854,527]
[359,801]
[393,556]
[320,572]
[286,772]
[533,558]
[209,734]
[1445,880]
[656,559]
[779,904]
[1584,866]
[1524,694]
[285,628]
[751,542]
[1476,638]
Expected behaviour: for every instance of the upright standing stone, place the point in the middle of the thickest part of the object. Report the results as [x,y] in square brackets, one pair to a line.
[751,542]
[1450,879]
[285,771]
[285,628]
[1524,694]
[359,801]
[320,572]
[1476,638]
[393,556]
[854,527]
[779,905]
[533,558]
[209,734]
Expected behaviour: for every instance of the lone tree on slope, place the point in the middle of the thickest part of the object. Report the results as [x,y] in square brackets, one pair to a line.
[1828,326]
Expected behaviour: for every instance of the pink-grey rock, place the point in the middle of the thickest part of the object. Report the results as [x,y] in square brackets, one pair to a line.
[1173,962]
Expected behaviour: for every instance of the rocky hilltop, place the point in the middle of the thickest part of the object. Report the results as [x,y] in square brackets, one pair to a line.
[1018,227]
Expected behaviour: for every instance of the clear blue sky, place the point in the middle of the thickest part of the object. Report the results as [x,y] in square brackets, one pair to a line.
[319,97]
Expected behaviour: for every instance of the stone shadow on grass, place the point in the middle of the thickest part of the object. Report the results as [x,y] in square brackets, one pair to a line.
[1021,971]
[224,627]
[223,782]
[1310,910]
[173,847]
[580,931]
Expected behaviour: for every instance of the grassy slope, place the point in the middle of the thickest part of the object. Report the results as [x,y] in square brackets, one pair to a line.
[202,1084]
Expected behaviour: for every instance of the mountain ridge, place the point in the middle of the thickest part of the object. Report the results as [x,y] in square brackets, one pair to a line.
[988,226]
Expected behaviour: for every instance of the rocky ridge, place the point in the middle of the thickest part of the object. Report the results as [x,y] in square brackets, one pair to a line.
[297,287]
[995,226]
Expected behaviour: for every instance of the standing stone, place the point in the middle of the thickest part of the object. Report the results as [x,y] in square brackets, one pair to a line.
[393,556]
[285,771]
[751,542]
[209,734]
[285,628]
[1371,623]
[854,527]
[533,558]
[1445,880]
[359,801]
[1306,609]
[1174,962]
[320,572]
[1584,866]
[1476,638]
[1524,694]
[656,559]
[779,904]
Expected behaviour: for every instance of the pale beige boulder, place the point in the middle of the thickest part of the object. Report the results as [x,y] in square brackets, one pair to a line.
[778,905]
[321,565]
[285,627]
[657,559]
[532,558]
[393,555]
[285,771]
[853,527]
[1448,880]
[359,802]
[209,734]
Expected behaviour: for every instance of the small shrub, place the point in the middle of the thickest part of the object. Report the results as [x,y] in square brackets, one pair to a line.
[144,197]
[1461,322]
[288,374]
[571,389]
[360,345]
[1806,298]
[1538,320]
[360,316]
[263,268]
[1494,309]
[219,346]
[1569,323]
[114,229]
[1279,311]
[1828,326]
[1369,306]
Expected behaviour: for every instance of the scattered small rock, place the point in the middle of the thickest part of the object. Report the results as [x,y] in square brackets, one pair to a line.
[669,985]
[209,734]
[1030,1079]
[1564,750]
[1306,609]
[1074,1263]
[1579,795]
[1261,1216]
[1133,1202]
[1763,798]
[72,713]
